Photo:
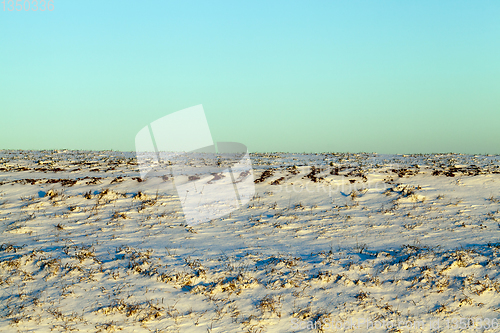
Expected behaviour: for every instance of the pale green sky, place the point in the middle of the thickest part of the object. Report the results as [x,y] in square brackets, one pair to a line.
[386,76]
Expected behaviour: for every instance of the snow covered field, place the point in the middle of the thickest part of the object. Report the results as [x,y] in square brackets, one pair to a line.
[328,239]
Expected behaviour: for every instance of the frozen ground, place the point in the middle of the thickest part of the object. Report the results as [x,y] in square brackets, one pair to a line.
[85,245]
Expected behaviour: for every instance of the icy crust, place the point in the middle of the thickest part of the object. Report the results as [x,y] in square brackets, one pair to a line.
[87,245]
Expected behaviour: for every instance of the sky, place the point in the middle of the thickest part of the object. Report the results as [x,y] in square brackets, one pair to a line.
[296,76]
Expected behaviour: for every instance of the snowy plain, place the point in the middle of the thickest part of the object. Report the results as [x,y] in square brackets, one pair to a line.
[87,245]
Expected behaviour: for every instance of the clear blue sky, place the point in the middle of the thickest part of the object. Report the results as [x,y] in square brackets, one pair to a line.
[382,76]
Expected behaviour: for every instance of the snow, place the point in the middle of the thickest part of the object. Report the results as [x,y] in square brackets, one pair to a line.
[87,245]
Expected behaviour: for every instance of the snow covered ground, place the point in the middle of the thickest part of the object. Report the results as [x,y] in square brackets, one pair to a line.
[327,240]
